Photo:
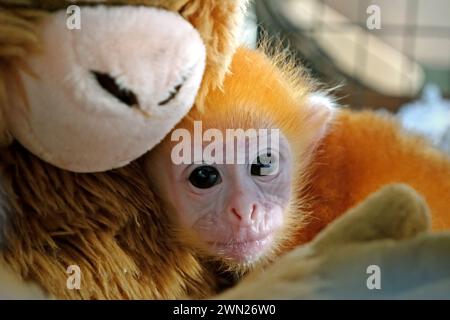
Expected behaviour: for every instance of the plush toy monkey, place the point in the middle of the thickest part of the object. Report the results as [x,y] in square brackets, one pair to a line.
[98,94]
[87,87]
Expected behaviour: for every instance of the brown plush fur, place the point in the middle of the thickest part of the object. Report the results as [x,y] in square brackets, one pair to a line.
[106,223]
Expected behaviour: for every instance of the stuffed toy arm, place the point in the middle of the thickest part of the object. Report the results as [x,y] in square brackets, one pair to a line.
[382,249]
[13,287]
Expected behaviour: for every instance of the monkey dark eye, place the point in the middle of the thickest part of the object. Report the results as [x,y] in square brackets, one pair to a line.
[264,165]
[205,177]
[110,85]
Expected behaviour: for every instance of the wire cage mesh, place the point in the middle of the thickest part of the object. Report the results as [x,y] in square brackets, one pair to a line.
[381,52]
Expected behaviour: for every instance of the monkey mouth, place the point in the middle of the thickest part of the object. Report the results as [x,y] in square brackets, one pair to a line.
[243,251]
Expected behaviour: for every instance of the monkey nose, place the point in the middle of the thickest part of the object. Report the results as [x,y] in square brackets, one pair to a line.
[243,215]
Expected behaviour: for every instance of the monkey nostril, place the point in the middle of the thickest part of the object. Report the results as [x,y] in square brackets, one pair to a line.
[235,213]
[109,84]
[253,213]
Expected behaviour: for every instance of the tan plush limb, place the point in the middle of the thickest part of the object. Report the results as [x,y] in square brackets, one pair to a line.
[395,212]
[13,287]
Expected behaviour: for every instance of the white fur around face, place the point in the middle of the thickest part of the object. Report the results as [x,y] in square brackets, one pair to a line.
[324,111]
[74,123]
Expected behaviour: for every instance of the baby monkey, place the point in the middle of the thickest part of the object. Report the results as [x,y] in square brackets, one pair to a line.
[311,163]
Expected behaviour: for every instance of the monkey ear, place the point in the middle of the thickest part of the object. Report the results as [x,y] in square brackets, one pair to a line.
[395,212]
[320,99]
[322,109]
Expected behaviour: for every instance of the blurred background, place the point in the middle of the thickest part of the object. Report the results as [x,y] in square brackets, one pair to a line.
[389,55]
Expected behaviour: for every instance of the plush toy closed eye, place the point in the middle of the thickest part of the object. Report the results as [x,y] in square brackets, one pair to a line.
[93,87]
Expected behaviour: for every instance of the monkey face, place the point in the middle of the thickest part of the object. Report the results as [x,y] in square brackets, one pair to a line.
[240,212]
[234,212]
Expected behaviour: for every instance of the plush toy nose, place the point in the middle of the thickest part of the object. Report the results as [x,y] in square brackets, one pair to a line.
[108,92]
[145,64]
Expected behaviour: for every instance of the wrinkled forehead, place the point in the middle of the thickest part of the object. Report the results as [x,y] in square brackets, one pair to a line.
[51,5]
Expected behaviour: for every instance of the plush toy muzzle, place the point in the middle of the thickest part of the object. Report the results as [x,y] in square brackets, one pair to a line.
[98,97]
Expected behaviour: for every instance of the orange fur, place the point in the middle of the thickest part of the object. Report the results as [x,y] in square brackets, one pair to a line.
[361,151]
[364,151]
[246,101]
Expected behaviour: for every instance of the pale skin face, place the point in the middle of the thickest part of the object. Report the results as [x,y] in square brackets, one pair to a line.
[229,211]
